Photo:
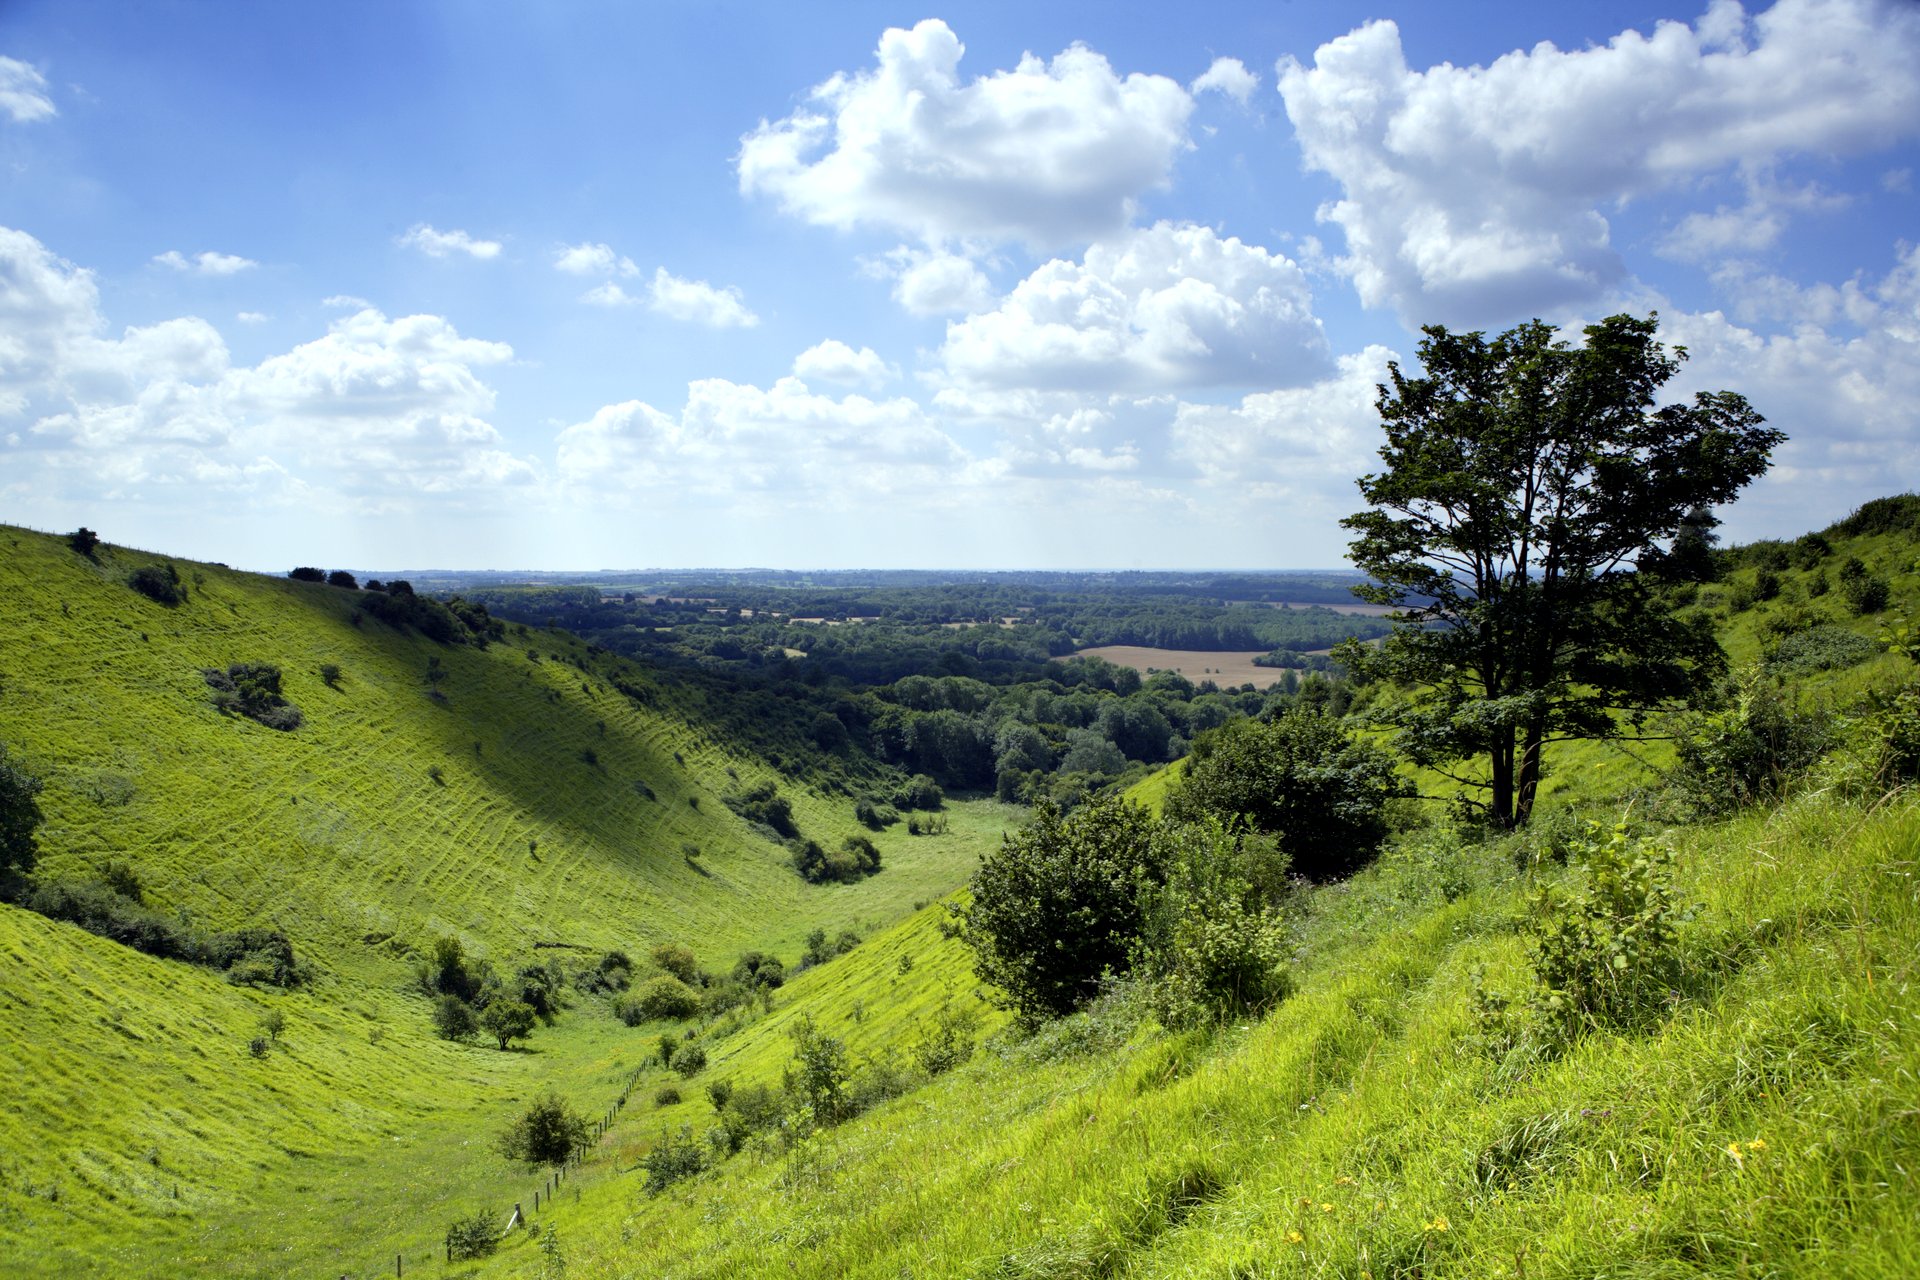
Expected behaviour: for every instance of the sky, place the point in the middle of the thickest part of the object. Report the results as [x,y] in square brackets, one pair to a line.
[1087,285]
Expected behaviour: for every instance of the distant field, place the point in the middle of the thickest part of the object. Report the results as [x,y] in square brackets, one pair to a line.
[1224,669]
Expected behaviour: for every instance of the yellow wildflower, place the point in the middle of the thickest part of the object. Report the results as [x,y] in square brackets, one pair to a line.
[1438,1224]
[1294,1237]
[1733,1151]
[1325,1207]
[1758,1144]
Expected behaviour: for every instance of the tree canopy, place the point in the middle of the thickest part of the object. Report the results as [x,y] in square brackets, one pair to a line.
[1522,524]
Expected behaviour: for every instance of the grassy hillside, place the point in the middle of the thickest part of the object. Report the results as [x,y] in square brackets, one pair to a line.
[529,802]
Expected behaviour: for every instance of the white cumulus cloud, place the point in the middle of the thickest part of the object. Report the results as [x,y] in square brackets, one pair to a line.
[836,362]
[698,302]
[1166,307]
[1473,194]
[444,244]
[1051,152]
[592,260]
[23,92]
[934,282]
[1227,76]
[206,264]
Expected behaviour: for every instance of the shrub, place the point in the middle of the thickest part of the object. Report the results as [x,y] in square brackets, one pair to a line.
[873,816]
[547,1132]
[1058,904]
[854,859]
[474,1236]
[1299,776]
[818,1075]
[273,1024]
[252,689]
[1821,648]
[674,1158]
[665,997]
[757,969]
[666,1095]
[1212,944]
[764,806]
[84,541]
[1749,750]
[259,1046]
[454,1018]
[330,674]
[307,573]
[20,818]
[947,1041]
[920,792]
[341,578]
[1609,957]
[160,584]
[690,1060]
[679,962]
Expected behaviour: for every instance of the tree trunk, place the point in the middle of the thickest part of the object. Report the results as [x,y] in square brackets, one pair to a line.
[1500,803]
[1530,772]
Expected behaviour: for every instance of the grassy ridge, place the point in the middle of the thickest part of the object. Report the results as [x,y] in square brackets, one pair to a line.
[131,1075]
[1766,1129]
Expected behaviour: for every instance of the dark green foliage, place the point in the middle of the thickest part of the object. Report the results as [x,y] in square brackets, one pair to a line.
[84,541]
[253,956]
[1864,592]
[446,970]
[920,792]
[330,674]
[547,1132]
[454,1018]
[1821,648]
[819,1074]
[1750,749]
[947,1041]
[341,578]
[474,1236]
[675,1158]
[665,997]
[20,818]
[1301,777]
[1213,945]
[690,1060]
[679,962]
[856,858]
[1524,483]
[1609,958]
[1899,514]
[666,1095]
[764,806]
[252,689]
[876,817]
[159,583]
[507,1020]
[819,950]
[760,970]
[307,573]
[1057,905]
[614,973]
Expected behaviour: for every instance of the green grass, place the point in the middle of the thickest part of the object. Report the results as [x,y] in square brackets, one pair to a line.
[1361,1115]
[131,1076]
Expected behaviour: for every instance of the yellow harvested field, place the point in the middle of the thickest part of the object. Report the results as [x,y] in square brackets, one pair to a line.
[1225,669]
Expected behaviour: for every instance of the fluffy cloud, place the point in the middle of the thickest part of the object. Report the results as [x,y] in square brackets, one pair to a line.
[609,294]
[1050,153]
[592,260]
[1301,441]
[206,264]
[1165,307]
[374,409]
[836,362]
[1472,194]
[934,282]
[23,92]
[1228,76]
[731,437]
[697,302]
[444,244]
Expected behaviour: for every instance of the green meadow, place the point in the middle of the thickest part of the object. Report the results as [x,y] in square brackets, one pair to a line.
[1372,1125]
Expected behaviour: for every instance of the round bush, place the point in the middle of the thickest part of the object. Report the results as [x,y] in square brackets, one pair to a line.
[665,997]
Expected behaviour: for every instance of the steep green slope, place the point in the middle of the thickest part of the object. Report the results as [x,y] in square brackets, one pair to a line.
[529,802]
[1766,1128]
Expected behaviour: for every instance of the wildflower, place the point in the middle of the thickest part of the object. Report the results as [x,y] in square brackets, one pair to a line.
[1294,1237]
[1733,1152]
[1438,1224]
[1758,1144]
[1343,1181]
[1325,1207]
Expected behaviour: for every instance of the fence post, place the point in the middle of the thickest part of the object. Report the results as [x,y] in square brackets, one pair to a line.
[399,1268]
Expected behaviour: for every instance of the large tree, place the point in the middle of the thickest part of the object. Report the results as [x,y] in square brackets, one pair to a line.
[1522,525]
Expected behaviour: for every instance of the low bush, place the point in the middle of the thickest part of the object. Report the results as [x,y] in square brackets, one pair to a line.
[1824,647]
[247,956]
[663,997]
[548,1132]
[474,1236]
[856,858]
[675,1158]
[1749,750]
[946,1042]
[454,1018]
[666,1095]
[764,806]
[690,1060]
[679,962]
[159,583]
[252,689]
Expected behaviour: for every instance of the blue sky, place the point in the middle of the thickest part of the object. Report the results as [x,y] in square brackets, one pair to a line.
[581,286]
